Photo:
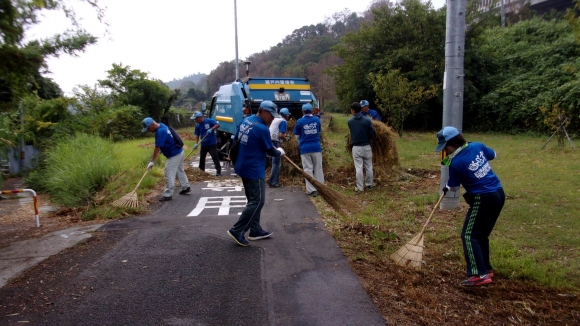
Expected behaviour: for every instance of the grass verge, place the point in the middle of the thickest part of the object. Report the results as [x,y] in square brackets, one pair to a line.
[536,235]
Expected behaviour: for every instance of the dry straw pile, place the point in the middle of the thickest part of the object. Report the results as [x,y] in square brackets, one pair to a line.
[385,154]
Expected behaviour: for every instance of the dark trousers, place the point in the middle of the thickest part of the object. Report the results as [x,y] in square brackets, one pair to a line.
[479,222]
[276,163]
[212,150]
[255,190]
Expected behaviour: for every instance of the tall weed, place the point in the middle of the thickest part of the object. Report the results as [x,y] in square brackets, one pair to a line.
[75,169]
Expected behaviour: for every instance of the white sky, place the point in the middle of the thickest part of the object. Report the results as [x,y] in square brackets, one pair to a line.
[174,38]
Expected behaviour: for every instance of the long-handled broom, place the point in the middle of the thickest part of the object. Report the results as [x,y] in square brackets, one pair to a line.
[411,254]
[335,199]
[130,199]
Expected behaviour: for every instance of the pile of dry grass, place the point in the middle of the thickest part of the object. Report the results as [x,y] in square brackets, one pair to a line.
[290,146]
[385,154]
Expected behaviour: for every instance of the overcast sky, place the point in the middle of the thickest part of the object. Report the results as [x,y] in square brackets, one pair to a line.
[174,38]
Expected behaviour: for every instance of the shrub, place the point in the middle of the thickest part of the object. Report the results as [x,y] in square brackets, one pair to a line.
[75,169]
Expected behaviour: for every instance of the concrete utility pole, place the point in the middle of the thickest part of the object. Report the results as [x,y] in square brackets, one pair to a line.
[453,83]
[502,13]
[236,23]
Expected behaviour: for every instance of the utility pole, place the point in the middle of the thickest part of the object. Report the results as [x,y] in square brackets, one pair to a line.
[453,84]
[236,23]
[502,13]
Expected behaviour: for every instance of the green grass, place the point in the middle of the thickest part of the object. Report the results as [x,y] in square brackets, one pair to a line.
[90,172]
[536,236]
[133,157]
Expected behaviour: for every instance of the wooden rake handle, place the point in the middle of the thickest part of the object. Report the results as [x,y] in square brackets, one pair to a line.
[194,148]
[139,183]
[432,212]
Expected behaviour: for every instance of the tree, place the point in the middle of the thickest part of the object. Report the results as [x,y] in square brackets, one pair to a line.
[399,97]
[408,37]
[538,67]
[225,73]
[22,61]
[133,87]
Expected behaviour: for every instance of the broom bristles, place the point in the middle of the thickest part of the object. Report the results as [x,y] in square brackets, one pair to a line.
[411,254]
[335,199]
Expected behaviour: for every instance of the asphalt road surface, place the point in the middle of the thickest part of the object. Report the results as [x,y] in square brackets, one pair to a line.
[177,266]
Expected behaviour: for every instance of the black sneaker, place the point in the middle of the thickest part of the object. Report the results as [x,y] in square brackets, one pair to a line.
[275,186]
[185,191]
[218,174]
[259,235]
[165,198]
[241,240]
[369,187]
[313,194]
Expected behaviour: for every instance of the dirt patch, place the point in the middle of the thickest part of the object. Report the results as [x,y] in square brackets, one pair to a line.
[17,216]
[433,297]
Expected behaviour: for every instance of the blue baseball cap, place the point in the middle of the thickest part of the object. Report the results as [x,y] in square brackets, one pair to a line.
[146,123]
[270,107]
[364,103]
[443,137]
[307,107]
[196,115]
[284,111]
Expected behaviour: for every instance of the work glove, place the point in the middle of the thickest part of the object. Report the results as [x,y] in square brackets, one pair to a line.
[150,165]
[209,132]
[282,152]
[445,190]
[195,146]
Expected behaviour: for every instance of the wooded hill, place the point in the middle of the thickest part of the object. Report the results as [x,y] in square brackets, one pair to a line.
[520,78]
[187,82]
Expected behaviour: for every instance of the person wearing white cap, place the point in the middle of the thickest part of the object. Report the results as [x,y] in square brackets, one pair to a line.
[165,144]
[307,131]
[469,166]
[254,146]
[278,134]
[368,112]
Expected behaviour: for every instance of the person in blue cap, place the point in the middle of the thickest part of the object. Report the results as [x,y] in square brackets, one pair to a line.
[368,112]
[278,135]
[205,128]
[469,166]
[307,131]
[165,144]
[255,144]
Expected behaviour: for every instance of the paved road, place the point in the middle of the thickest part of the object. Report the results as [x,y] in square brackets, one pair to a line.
[177,266]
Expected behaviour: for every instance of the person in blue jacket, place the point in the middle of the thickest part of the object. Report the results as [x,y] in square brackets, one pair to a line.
[165,144]
[205,128]
[469,166]
[255,144]
[307,131]
[368,112]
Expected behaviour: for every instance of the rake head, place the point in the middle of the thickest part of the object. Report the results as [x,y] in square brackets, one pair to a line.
[411,254]
[129,200]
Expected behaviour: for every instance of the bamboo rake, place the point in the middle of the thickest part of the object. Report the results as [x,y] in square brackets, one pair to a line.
[411,254]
